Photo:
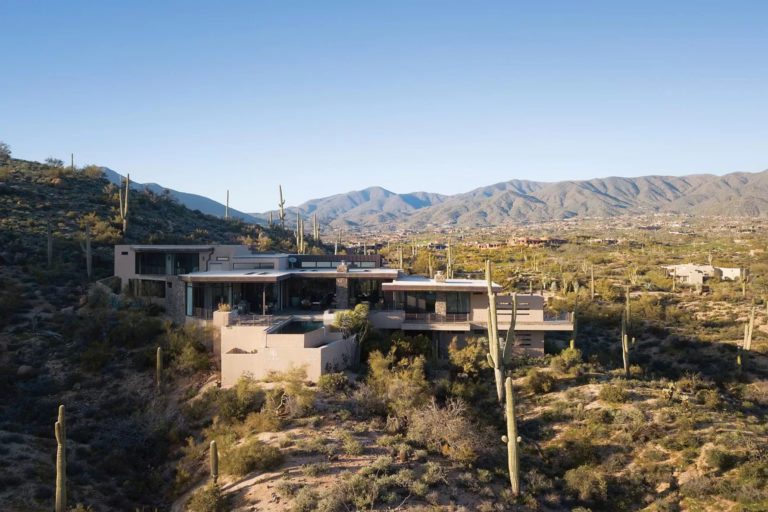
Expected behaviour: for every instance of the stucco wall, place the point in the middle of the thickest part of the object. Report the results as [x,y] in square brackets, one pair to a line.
[478,307]
[315,361]
[387,319]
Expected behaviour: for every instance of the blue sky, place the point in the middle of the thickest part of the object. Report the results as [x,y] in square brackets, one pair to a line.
[326,97]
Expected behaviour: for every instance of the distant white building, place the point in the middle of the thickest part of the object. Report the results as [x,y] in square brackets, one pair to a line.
[694,275]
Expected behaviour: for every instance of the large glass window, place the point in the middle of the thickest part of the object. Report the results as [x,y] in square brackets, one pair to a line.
[420,302]
[151,263]
[184,263]
[457,302]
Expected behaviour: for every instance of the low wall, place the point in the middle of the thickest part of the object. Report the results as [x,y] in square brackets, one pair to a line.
[281,357]
[387,319]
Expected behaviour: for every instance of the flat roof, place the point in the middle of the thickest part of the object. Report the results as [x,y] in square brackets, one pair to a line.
[165,248]
[272,276]
[250,275]
[417,283]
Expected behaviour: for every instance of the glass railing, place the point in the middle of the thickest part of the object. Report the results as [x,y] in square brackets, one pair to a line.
[434,318]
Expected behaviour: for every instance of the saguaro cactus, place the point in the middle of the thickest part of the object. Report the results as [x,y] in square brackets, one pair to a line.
[627,310]
[315,229]
[497,356]
[299,233]
[49,240]
[572,342]
[123,208]
[85,245]
[60,429]
[159,368]
[449,264]
[511,439]
[625,346]
[746,346]
[214,462]
[281,207]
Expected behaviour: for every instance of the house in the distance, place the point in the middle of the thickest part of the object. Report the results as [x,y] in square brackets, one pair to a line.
[275,310]
[696,275]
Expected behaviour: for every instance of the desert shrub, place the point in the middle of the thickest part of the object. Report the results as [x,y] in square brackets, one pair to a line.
[366,402]
[187,349]
[245,397]
[134,329]
[402,385]
[96,356]
[408,347]
[471,358]
[305,500]
[359,491]
[207,499]
[192,359]
[698,487]
[333,382]
[254,455]
[81,508]
[315,469]
[568,360]
[433,473]
[539,382]
[587,482]
[710,398]
[447,430]
[613,393]
[350,445]
[293,400]
[719,459]
[262,421]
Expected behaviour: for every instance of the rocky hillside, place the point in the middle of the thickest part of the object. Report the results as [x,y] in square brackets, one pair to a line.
[64,340]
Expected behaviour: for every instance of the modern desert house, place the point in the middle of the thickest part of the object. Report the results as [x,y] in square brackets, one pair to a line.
[275,309]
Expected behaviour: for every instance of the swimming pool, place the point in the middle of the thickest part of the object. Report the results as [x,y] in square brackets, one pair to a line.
[298,327]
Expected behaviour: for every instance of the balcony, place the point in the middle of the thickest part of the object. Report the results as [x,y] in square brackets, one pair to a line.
[434,318]
[436,322]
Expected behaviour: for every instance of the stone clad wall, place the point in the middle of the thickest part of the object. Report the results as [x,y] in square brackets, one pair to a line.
[342,293]
[174,299]
[441,306]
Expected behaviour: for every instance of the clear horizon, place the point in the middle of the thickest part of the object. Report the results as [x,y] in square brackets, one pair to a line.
[442,97]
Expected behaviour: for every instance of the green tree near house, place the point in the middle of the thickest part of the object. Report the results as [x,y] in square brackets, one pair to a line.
[354,322]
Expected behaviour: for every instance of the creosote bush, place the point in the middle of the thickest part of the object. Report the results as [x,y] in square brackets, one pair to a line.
[237,402]
[448,431]
[254,455]
[539,382]
[568,361]
[207,499]
[331,383]
[613,393]
[402,385]
[587,482]
[470,359]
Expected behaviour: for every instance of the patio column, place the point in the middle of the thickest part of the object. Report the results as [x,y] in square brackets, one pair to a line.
[342,293]
[441,306]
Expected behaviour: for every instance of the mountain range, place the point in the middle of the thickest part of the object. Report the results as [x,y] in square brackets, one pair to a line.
[519,201]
